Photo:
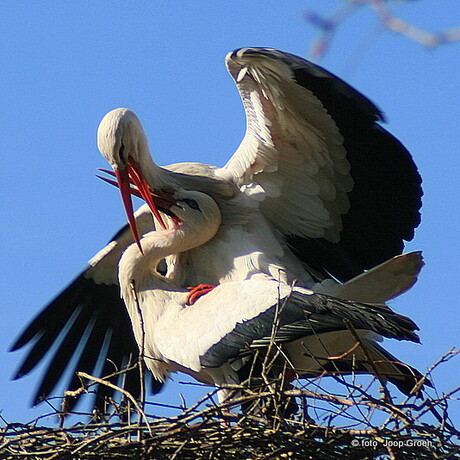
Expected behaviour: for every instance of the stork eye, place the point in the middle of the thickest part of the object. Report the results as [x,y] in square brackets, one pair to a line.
[121,153]
[191,203]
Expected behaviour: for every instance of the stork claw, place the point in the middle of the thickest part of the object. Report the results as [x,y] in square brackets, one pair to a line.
[197,291]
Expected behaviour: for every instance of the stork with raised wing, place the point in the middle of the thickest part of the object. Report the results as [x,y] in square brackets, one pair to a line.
[314,162]
[315,176]
[246,244]
[210,339]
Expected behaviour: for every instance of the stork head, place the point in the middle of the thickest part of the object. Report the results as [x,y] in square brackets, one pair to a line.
[198,211]
[123,143]
[197,219]
[121,139]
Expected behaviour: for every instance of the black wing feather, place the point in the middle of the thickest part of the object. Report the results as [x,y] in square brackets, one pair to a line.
[76,324]
[386,198]
[301,315]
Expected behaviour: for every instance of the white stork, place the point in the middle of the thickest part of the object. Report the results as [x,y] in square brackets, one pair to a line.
[210,339]
[342,193]
[246,243]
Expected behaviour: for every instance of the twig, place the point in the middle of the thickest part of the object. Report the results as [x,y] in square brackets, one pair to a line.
[121,390]
[386,393]
[329,24]
[141,361]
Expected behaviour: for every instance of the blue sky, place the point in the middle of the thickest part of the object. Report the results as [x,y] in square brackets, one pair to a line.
[65,64]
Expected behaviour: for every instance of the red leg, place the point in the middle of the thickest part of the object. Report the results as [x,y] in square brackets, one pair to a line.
[197,291]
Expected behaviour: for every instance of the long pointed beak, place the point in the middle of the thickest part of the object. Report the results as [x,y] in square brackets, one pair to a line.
[132,174]
[144,190]
[125,191]
[162,201]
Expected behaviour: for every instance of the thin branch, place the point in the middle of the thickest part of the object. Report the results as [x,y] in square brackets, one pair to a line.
[328,25]
[141,362]
[121,390]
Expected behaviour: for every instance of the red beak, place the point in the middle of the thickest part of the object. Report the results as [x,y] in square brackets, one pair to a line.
[144,190]
[132,172]
[125,192]
[163,200]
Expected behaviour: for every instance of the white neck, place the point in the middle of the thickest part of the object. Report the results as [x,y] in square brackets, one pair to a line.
[156,246]
[153,293]
[156,176]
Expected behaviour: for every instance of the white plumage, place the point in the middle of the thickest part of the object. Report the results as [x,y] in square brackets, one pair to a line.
[210,338]
[248,243]
[317,191]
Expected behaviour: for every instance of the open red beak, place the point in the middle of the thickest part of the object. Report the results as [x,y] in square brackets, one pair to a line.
[125,192]
[144,189]
[124,178]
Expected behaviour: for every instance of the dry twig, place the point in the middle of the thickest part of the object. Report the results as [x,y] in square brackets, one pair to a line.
[329,24]
[220,431]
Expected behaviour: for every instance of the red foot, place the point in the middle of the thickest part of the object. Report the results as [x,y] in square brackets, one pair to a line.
[197,291]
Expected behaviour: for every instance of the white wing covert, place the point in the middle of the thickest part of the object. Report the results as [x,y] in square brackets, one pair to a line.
[344,191]
[292,156]
[221,324]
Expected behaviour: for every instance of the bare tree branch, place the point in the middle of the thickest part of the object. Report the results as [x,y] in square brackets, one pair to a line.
[328,25]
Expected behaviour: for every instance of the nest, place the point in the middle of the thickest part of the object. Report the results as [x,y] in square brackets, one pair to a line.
[350,423]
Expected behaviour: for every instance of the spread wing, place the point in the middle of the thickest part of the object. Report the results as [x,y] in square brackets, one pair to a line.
[221,324]
[86,327]
[339,186]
